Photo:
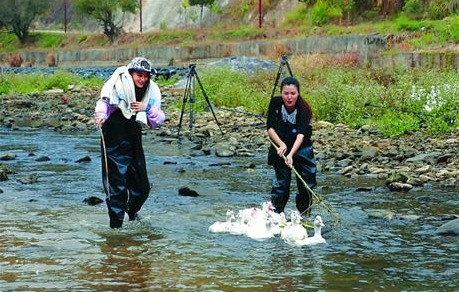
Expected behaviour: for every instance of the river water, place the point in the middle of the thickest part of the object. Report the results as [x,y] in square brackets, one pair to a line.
[51,241]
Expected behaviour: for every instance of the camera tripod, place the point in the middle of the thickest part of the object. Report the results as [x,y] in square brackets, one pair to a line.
[280,71]
[189,96]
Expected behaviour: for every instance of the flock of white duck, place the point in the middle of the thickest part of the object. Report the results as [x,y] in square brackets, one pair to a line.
[263,223]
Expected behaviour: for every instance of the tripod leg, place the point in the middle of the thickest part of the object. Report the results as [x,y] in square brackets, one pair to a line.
[289,69]
[279,72]
[208,102]
[186,94]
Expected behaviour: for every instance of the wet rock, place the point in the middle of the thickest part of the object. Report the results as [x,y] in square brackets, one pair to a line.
[445,158]
[415,181]
[42,159]
[363,189]
[243,152]
[450,183]
[206,151]
[187,192]
[28,179]
[84,159]
[425,157]
[346,170]
[92,200]
[397,177]
[8,156]
[423,169]
[6,169]
[225,150]
[449,228]
[399,187]
[3,175]
[382,214]
[409,217]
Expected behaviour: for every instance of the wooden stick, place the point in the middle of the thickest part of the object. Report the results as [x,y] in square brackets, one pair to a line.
[316,197]
[104,149]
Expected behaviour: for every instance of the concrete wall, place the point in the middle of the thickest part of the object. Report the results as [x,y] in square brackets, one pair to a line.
[370,47]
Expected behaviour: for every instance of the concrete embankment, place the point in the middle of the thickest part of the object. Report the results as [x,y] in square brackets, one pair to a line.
[370,49]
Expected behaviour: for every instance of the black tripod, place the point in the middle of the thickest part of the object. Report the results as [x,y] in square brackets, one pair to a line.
[280,72]
[189,95]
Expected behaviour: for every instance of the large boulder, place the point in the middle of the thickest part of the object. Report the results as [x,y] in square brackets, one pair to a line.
[449,228]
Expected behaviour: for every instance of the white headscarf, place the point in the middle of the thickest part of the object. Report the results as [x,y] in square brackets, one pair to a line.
[120,91]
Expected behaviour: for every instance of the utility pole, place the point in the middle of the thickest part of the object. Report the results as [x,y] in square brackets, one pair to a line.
[259,13]
[140,5]
[65,16]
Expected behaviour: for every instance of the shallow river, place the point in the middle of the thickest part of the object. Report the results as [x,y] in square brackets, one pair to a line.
[51,241]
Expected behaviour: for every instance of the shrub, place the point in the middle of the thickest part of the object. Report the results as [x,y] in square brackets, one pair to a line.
[51,60]
[15,60]
[323,12]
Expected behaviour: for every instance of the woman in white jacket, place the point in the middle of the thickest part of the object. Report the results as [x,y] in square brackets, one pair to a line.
[128,98]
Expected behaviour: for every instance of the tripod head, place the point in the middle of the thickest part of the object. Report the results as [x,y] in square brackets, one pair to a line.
[284,59]
[280,71]
[192,68]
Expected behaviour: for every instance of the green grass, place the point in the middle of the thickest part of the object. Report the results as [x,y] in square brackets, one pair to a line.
[172,35]
[235,89]
[47,40]
[411,101]
[30,83]
[8,42]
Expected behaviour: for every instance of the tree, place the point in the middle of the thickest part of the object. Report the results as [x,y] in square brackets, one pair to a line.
[107,13]
[18,15]
[185,4]
[201,3]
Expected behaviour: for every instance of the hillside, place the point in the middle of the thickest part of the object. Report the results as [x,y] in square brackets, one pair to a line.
[167,22]
[156,15]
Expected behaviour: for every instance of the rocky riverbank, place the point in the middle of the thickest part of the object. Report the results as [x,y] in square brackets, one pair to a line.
[401,163]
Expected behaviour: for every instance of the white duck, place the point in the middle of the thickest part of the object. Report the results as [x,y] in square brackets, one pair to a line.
[259,228]
[294,231]
[238,227]
[269,209]
[248,214]
[279,224]
[218,227]
[317,237]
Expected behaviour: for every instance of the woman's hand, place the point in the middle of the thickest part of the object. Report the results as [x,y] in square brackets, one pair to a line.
[99,121]
[289,161]
[281,149]
[138,106]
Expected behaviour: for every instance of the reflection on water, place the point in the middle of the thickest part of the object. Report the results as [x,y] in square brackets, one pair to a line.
[51,240]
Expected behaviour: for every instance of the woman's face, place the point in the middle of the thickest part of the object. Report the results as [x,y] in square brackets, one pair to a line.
[290,96]
[140,78]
